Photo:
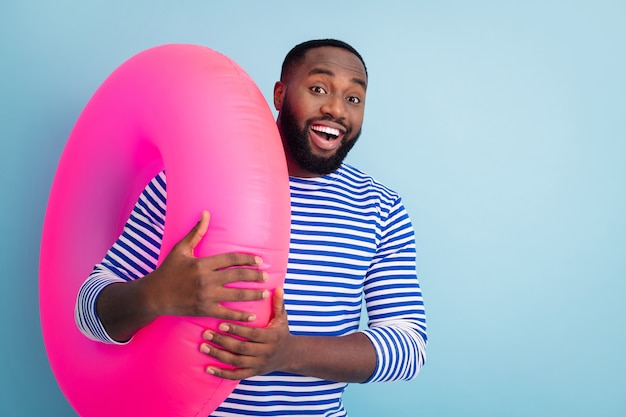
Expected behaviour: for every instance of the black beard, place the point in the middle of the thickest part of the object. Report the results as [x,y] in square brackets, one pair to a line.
[299,148]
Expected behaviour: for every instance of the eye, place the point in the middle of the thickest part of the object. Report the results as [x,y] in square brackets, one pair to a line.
[353,99]
[318,90]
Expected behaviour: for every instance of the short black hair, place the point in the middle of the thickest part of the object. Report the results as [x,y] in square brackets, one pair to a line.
[296,55]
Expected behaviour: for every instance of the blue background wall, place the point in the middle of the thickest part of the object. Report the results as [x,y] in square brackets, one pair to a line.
[501,123]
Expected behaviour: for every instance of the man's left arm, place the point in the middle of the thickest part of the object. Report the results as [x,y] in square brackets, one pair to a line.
[395,307]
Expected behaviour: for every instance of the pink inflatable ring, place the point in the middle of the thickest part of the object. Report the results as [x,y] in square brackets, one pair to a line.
[197,114]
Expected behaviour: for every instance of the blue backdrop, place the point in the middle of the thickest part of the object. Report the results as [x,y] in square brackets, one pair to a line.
[501,123]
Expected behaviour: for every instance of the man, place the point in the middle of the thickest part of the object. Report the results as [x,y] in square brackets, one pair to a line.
[350,236]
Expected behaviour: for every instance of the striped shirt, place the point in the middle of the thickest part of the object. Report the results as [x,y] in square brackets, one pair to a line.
[351,240]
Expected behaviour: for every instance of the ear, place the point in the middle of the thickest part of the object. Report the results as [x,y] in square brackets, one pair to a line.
[279,94]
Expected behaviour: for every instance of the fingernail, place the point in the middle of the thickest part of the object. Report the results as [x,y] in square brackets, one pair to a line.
[265,294]
[252,317]
[204,348]
[258,260]
[224,327]
[210,371]
[265,276]
[207,335]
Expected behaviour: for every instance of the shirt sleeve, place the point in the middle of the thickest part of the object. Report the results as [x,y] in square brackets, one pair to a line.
[133,255]
[395,307]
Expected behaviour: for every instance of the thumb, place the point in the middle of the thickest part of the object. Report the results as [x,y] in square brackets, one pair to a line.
[278,302]
[195,235]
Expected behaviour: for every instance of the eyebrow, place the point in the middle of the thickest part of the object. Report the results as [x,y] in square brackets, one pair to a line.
[328,72]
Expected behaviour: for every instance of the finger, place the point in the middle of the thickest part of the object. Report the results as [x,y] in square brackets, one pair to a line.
[236,338]
[199,230]
[240,294]
[232,374]
[242,274]
[224,313]
[195,235]
[278,302]
[225,355]
[229,260]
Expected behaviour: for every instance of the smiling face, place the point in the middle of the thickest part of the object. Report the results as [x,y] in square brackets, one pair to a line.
[321,103]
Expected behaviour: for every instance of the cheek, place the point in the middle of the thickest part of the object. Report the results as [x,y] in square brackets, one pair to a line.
[300,107]
[357,120]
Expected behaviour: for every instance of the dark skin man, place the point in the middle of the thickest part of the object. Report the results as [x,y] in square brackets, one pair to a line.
[320,105]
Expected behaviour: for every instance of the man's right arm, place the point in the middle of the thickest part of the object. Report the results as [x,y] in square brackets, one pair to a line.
[125,292]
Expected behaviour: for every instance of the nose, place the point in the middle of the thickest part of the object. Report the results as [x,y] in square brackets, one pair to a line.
[335,107]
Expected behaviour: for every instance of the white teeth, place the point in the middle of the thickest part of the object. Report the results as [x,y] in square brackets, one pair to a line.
[327,130]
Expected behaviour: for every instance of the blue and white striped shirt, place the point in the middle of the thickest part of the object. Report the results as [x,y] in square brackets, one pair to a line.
[351,239]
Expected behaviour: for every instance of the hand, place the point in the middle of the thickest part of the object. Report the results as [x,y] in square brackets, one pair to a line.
[252,351]
[184,285]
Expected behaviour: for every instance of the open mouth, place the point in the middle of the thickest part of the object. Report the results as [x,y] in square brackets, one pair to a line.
[330,133]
